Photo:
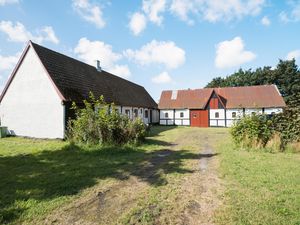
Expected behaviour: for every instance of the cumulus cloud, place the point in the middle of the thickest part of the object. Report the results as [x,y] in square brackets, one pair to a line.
[293,15]
[293,55]
[90,51]
[89,12]
[153,9]
[162,78]
[18,33]
[6,2]
[165,53]
[215,10]
[232,53]
[265,21]
[137,23]
[8,62]
[182,8]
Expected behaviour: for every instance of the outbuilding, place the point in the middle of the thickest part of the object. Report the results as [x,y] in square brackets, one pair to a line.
[218,107]
[36,101]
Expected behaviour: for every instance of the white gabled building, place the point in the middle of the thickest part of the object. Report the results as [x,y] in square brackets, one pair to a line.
[218,107]
[36,101]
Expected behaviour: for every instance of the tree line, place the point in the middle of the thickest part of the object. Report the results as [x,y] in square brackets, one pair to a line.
[286,76]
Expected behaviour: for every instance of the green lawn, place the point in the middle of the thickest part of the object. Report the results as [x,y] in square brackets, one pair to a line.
[261,188]
[39,177]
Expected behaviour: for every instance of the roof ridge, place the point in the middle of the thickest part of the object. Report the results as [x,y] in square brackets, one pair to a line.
[56,52]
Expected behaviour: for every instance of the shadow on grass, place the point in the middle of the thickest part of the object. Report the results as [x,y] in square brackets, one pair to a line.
[66,171]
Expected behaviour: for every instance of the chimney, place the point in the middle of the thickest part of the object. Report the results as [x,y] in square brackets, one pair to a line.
[98,66]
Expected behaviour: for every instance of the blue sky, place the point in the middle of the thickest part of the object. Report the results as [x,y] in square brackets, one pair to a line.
[159,44]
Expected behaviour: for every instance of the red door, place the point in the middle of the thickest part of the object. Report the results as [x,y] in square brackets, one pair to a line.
[199,118]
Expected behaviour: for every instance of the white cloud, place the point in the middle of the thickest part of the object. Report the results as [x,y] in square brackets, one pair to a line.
[18,33]
[182,8]
[232,53]
[89,12]
[162,78]
[5,2]
[216,10]
[153,8]
[293,55]
[120,70]
[166,53]
[151,11]
[265,21]
[137,23]
[293,15]
[8,62]
[90,51]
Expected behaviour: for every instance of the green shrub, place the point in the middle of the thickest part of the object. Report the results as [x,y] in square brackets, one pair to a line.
[100,123]
[288,125]
[252,131]
[275,133]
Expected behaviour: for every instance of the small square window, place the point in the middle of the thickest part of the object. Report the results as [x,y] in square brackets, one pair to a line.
[166,115]
[233,115]
[181,115]
[127,112]
[217,115]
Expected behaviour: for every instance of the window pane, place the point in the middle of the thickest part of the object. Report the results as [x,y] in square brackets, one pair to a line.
[181,114]
[216,115]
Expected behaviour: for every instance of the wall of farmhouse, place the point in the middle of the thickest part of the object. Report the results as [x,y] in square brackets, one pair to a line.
[31,106]
[217,117]
[233,115]
[270,111]
[143,113]
[180,117]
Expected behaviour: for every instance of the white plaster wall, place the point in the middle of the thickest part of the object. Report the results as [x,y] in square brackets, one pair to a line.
[217,123]
[169,111]
[31,106]
[273,110]
[250,111]
[220,111]
[186,113]
[239,113]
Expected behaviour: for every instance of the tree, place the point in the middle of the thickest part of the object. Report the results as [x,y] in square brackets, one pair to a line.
[286,76]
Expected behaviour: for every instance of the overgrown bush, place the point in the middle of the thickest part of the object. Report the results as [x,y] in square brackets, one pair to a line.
[276,132]
[252,131]
[100,123]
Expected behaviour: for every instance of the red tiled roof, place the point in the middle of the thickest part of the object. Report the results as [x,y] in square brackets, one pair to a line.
[264,96]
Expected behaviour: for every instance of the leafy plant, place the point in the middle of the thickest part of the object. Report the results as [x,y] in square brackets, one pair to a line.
[101,123]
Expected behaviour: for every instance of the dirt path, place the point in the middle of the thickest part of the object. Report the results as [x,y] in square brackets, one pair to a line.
[197,191]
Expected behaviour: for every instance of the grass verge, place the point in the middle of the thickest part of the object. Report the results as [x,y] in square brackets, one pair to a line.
[262,188]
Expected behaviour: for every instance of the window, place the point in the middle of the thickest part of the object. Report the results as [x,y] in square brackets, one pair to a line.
[233,115]
[253,113]
[217,115]
[127,112]
[146,113]
[136,113]
[141,111]
[273,113]
[181,115]
[166,115]
[195,115]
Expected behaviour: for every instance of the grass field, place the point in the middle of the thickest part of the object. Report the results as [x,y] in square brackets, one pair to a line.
[261,188]
[159,182]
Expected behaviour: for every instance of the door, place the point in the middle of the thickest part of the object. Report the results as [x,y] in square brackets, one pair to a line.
[199,118]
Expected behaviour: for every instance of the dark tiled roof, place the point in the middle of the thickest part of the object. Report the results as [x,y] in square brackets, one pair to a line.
[264,96]
[75,80]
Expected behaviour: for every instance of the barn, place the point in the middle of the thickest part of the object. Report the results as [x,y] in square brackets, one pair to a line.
[217,107]
[36,101]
